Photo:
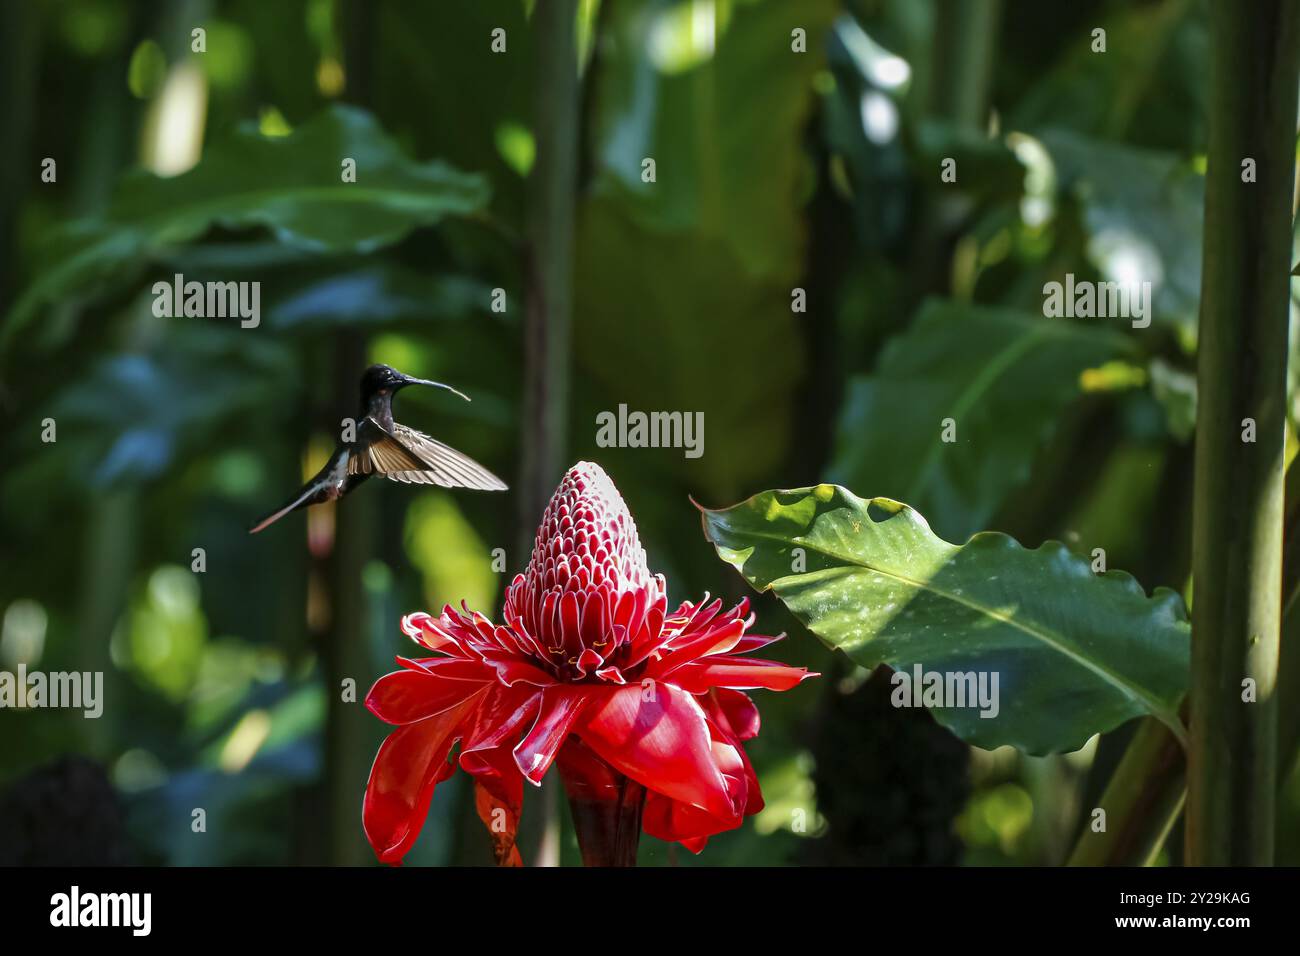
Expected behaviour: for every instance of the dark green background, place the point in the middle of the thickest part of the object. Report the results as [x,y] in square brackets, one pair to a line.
[775,170]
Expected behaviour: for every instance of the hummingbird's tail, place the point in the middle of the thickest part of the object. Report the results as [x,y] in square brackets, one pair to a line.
[306,497]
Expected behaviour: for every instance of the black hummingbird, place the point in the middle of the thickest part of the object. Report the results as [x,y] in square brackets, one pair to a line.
[385,447]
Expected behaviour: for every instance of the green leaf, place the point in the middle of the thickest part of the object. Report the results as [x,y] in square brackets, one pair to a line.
[714,340]
[722,113]
[291,186]
[1004,378]
[1075,653]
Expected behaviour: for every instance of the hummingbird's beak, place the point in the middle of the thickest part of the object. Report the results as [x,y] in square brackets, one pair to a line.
[408,380]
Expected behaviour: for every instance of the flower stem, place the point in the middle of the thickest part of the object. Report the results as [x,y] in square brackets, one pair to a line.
[609,830]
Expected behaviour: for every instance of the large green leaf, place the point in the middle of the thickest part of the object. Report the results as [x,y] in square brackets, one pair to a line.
[692,332]
[290,185]
[683,285]
[304,291]
[720,106]
[1075,653]
[1003,377]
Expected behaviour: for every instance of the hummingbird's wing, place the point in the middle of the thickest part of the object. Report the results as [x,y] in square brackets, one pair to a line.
[378,452]
[439,464]
[328,483]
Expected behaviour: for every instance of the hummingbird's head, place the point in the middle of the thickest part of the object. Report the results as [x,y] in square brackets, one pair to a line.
[384,379]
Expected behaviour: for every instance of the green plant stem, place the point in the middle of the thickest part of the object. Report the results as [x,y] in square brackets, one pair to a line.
[1241,375]
[110,549]
[1288,675]
[1146,792]
[347,752]
[549,259]
[1142,800]
[348,749]
[548,308]
[965,36]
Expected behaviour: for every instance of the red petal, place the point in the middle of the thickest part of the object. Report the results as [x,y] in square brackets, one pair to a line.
[497,723]
[659,737]
[512,670]
[739,714]
[570,634]
[754,797]
[405,696]
[586,776]
[672,820]
[699,615]
[622,615]
[499,800]
[424,628]
[410,763]
[452,668]
[502,821]
[595,617]
[752,642]
[675,822]
[588,660]
[738,673]
[689,647]
[561,706]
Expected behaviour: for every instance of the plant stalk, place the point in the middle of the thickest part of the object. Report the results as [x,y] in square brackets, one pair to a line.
[346,752]
[965,38]
[606,807]
[1146,792]
[1142,800]
[609,831]
[548,308]
[1241,375]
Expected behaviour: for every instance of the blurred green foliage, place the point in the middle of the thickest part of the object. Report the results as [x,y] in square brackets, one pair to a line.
[775,171]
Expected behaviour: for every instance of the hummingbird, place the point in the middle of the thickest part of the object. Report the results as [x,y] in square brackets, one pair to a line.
[385,447]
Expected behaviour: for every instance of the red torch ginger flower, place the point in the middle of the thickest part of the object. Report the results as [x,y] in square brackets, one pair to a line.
[644,709]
